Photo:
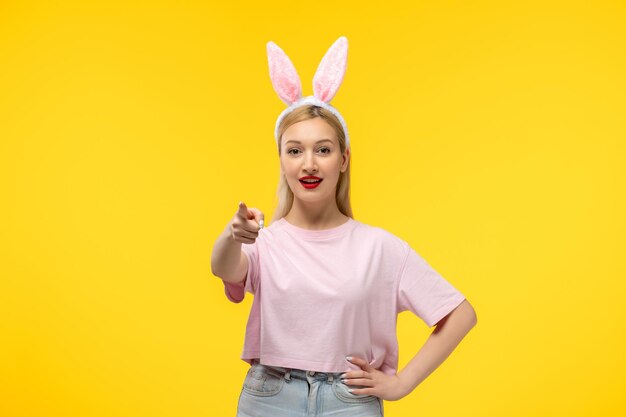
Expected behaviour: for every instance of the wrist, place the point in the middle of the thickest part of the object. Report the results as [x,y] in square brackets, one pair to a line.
[406,383]
[228,233]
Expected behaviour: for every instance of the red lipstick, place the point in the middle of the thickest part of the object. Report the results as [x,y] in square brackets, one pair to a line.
[310,182]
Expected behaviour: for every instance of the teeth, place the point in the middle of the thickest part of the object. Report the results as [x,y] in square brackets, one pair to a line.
[310,181]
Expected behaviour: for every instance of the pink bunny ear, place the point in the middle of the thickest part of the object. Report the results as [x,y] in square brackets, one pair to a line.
[331,70]
[284,76]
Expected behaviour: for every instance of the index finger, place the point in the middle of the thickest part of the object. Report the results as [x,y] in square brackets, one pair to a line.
[243,210]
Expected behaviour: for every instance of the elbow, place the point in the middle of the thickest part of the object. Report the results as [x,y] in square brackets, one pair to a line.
[474,320]
[472,317]
[469,314]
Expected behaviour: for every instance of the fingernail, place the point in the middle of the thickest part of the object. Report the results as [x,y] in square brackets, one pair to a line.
[349,358]
[350,389]
[342,375]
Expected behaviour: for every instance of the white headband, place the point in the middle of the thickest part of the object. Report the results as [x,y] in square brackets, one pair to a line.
[326,82]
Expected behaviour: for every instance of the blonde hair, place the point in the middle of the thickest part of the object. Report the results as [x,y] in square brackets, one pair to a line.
[284,193]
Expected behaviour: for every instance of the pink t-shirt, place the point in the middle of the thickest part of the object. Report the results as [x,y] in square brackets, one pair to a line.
[322,295]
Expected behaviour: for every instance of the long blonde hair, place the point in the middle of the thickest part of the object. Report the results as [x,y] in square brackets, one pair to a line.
[284,193]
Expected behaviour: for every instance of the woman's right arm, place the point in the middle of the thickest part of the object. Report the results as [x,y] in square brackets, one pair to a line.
[228,261]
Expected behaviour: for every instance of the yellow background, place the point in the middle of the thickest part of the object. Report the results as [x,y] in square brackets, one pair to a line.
[489,135]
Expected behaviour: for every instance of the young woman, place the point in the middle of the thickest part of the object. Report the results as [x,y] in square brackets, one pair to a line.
[321,335]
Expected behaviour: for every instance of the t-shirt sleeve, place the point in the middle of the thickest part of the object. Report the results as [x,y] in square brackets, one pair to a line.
[424,291]
[237,292]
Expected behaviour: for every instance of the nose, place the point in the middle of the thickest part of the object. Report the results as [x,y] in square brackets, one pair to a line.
[310,165]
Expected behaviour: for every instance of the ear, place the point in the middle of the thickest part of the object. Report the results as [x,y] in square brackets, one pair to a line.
[284,76]
[330,72]
[345,159]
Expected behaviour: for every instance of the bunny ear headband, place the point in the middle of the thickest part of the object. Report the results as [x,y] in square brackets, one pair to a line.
[326,81]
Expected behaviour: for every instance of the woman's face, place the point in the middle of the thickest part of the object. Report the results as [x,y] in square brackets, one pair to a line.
[311,148]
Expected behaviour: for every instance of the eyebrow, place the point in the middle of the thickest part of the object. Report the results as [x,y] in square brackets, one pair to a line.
[297,141]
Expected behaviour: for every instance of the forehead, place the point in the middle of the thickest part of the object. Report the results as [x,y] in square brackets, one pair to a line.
[310,132]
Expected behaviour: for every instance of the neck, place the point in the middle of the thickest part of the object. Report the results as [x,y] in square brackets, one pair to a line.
[316,215]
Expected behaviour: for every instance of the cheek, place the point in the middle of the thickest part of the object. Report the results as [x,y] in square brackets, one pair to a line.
[284,166]
[289,171]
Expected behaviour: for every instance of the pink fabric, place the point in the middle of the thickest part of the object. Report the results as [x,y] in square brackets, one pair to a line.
[326,81]
[331,70]
[283,74]
[321,295]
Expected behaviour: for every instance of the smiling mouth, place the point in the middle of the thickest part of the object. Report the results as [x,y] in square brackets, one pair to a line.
[309,184]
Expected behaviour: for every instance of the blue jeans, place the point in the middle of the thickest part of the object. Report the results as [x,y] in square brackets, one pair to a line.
[270,391]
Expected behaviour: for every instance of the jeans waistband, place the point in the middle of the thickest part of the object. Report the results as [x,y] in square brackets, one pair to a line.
[303,374]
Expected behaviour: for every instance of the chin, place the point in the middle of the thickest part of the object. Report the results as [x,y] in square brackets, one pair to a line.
[312,197]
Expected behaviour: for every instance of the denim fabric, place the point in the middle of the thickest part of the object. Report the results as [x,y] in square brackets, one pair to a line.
[270,391]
